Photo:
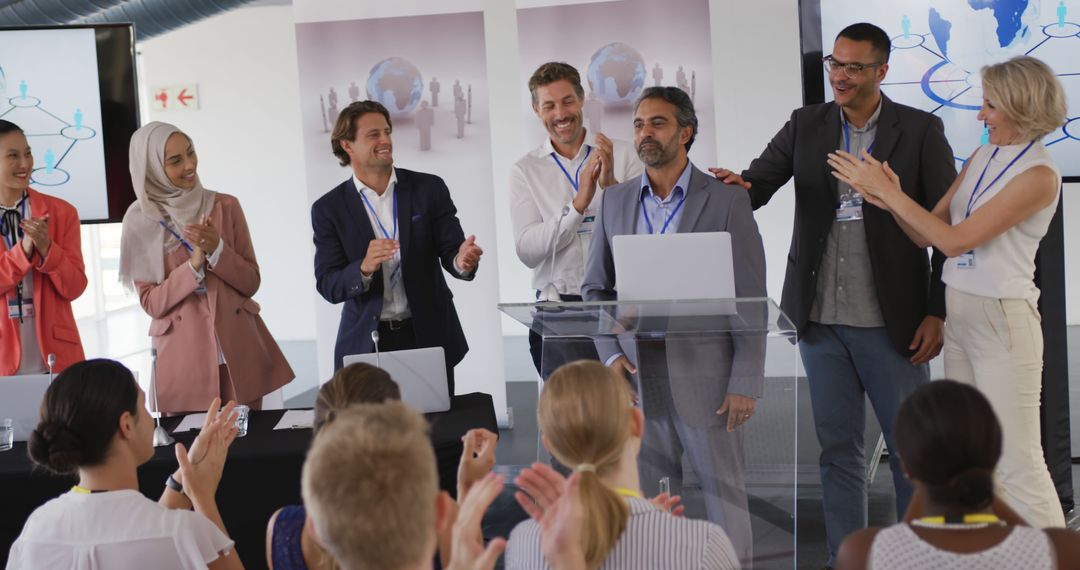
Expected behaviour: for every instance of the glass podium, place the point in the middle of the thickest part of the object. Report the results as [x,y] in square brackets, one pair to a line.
[690,355]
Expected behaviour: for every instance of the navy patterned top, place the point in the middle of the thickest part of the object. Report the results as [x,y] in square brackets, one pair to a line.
[285,551]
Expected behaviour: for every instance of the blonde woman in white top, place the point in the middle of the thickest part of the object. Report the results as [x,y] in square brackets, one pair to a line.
[94,424]
[589,423]
[990,224]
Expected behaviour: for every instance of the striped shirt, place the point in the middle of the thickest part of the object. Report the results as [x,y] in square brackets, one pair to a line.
[652,539]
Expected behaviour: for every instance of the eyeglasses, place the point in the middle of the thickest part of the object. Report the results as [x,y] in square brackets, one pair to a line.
[851,70]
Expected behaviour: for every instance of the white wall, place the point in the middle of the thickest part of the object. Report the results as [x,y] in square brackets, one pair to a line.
[247,134]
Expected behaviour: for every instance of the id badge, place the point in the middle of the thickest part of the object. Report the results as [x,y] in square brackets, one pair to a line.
[587,222]
[966,260]
[849,210]
[27,308]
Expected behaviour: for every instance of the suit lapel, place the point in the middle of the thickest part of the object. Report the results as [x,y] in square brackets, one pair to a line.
[357,218]
[888,131]
[830,141]
[696,197]
[404,193]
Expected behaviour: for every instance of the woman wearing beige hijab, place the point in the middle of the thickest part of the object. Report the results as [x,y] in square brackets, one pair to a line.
[187,252]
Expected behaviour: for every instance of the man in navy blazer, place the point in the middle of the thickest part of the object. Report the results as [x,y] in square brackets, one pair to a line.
[380,239]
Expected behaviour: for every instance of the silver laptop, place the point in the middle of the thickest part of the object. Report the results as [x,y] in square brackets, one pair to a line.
[420,375]
[675,267]
[20,400]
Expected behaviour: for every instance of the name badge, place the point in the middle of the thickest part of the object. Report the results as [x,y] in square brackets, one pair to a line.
[587,223]
[850,209]
[966,260]
[27,309]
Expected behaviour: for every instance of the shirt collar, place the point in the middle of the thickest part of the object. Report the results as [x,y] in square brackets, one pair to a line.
[547,148]
[360,186]
[681,185]
[872,123]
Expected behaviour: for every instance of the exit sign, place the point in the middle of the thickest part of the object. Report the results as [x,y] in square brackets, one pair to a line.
[175,98]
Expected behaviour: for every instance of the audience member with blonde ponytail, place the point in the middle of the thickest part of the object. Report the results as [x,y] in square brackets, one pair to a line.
[589,423]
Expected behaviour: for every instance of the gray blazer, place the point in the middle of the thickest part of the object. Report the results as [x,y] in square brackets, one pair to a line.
[734,363]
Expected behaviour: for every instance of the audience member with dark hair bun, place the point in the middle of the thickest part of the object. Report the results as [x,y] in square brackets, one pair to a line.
[94,424]
[949,441]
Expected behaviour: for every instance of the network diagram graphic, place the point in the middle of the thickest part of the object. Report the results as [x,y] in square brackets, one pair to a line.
[955,94]
[51,137]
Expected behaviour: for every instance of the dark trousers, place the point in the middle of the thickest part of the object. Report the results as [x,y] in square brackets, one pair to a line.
[399,335]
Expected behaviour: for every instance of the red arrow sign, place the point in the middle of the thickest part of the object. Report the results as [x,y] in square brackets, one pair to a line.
[183,97]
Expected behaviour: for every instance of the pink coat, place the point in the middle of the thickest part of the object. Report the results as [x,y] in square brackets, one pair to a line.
[188,326]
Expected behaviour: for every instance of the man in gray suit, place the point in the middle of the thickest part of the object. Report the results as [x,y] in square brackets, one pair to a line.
[696,390]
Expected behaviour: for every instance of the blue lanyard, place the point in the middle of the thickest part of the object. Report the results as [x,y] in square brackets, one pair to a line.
[183,241]
[975,194]
[376,215]
[847,141]
[671,216]
[18,231]
[577,175]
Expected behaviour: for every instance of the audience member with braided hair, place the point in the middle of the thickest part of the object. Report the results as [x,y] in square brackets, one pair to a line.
[589,423]
[94,424]
[950,441]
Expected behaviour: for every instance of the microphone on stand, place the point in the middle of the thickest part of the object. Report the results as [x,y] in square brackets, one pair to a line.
[375,339]
[51,361]
[550,292]
[161,436]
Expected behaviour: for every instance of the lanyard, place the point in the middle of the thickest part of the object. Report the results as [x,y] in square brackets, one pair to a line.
[574,182]
[382,228]
[671,216]
[630,493]
[975,194]
[18,231]
[183,241]
[847,141]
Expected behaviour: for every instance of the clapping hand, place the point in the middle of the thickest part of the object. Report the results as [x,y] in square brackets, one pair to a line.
[203,235]
[468,552]
[36,236]
[201,469]
[468,255]
[869,177]
[477,459]
[606,151]
[560,529]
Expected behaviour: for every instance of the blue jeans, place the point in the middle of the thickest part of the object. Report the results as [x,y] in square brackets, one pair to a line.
[844,365]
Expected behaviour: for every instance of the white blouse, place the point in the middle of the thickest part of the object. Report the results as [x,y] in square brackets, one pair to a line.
[115,530]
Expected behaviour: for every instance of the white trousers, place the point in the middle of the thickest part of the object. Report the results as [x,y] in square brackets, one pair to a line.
[996,345]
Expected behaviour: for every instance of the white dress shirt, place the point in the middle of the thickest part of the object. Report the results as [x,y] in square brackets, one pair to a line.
[395,304]
[539,190]
[117,529]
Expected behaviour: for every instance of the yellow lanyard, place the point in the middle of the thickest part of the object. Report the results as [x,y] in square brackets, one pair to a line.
[977,518]
[628,493]
[81,490]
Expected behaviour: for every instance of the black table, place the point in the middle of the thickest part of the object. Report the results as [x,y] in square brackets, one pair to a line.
[261,474]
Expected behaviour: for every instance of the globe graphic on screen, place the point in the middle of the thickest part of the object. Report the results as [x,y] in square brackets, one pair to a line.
[974,33]
[396,83]
[616,73]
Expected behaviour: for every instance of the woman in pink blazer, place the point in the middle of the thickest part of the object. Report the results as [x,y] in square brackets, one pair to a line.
[187,252]
[41,267]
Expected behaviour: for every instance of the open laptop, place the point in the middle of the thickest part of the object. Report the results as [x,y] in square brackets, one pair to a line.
[20,400]
[420,374]
[676,267]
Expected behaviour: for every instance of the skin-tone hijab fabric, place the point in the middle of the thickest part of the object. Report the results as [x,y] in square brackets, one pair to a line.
[144,241]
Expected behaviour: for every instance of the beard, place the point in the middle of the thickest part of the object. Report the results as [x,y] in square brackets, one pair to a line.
[655,154]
